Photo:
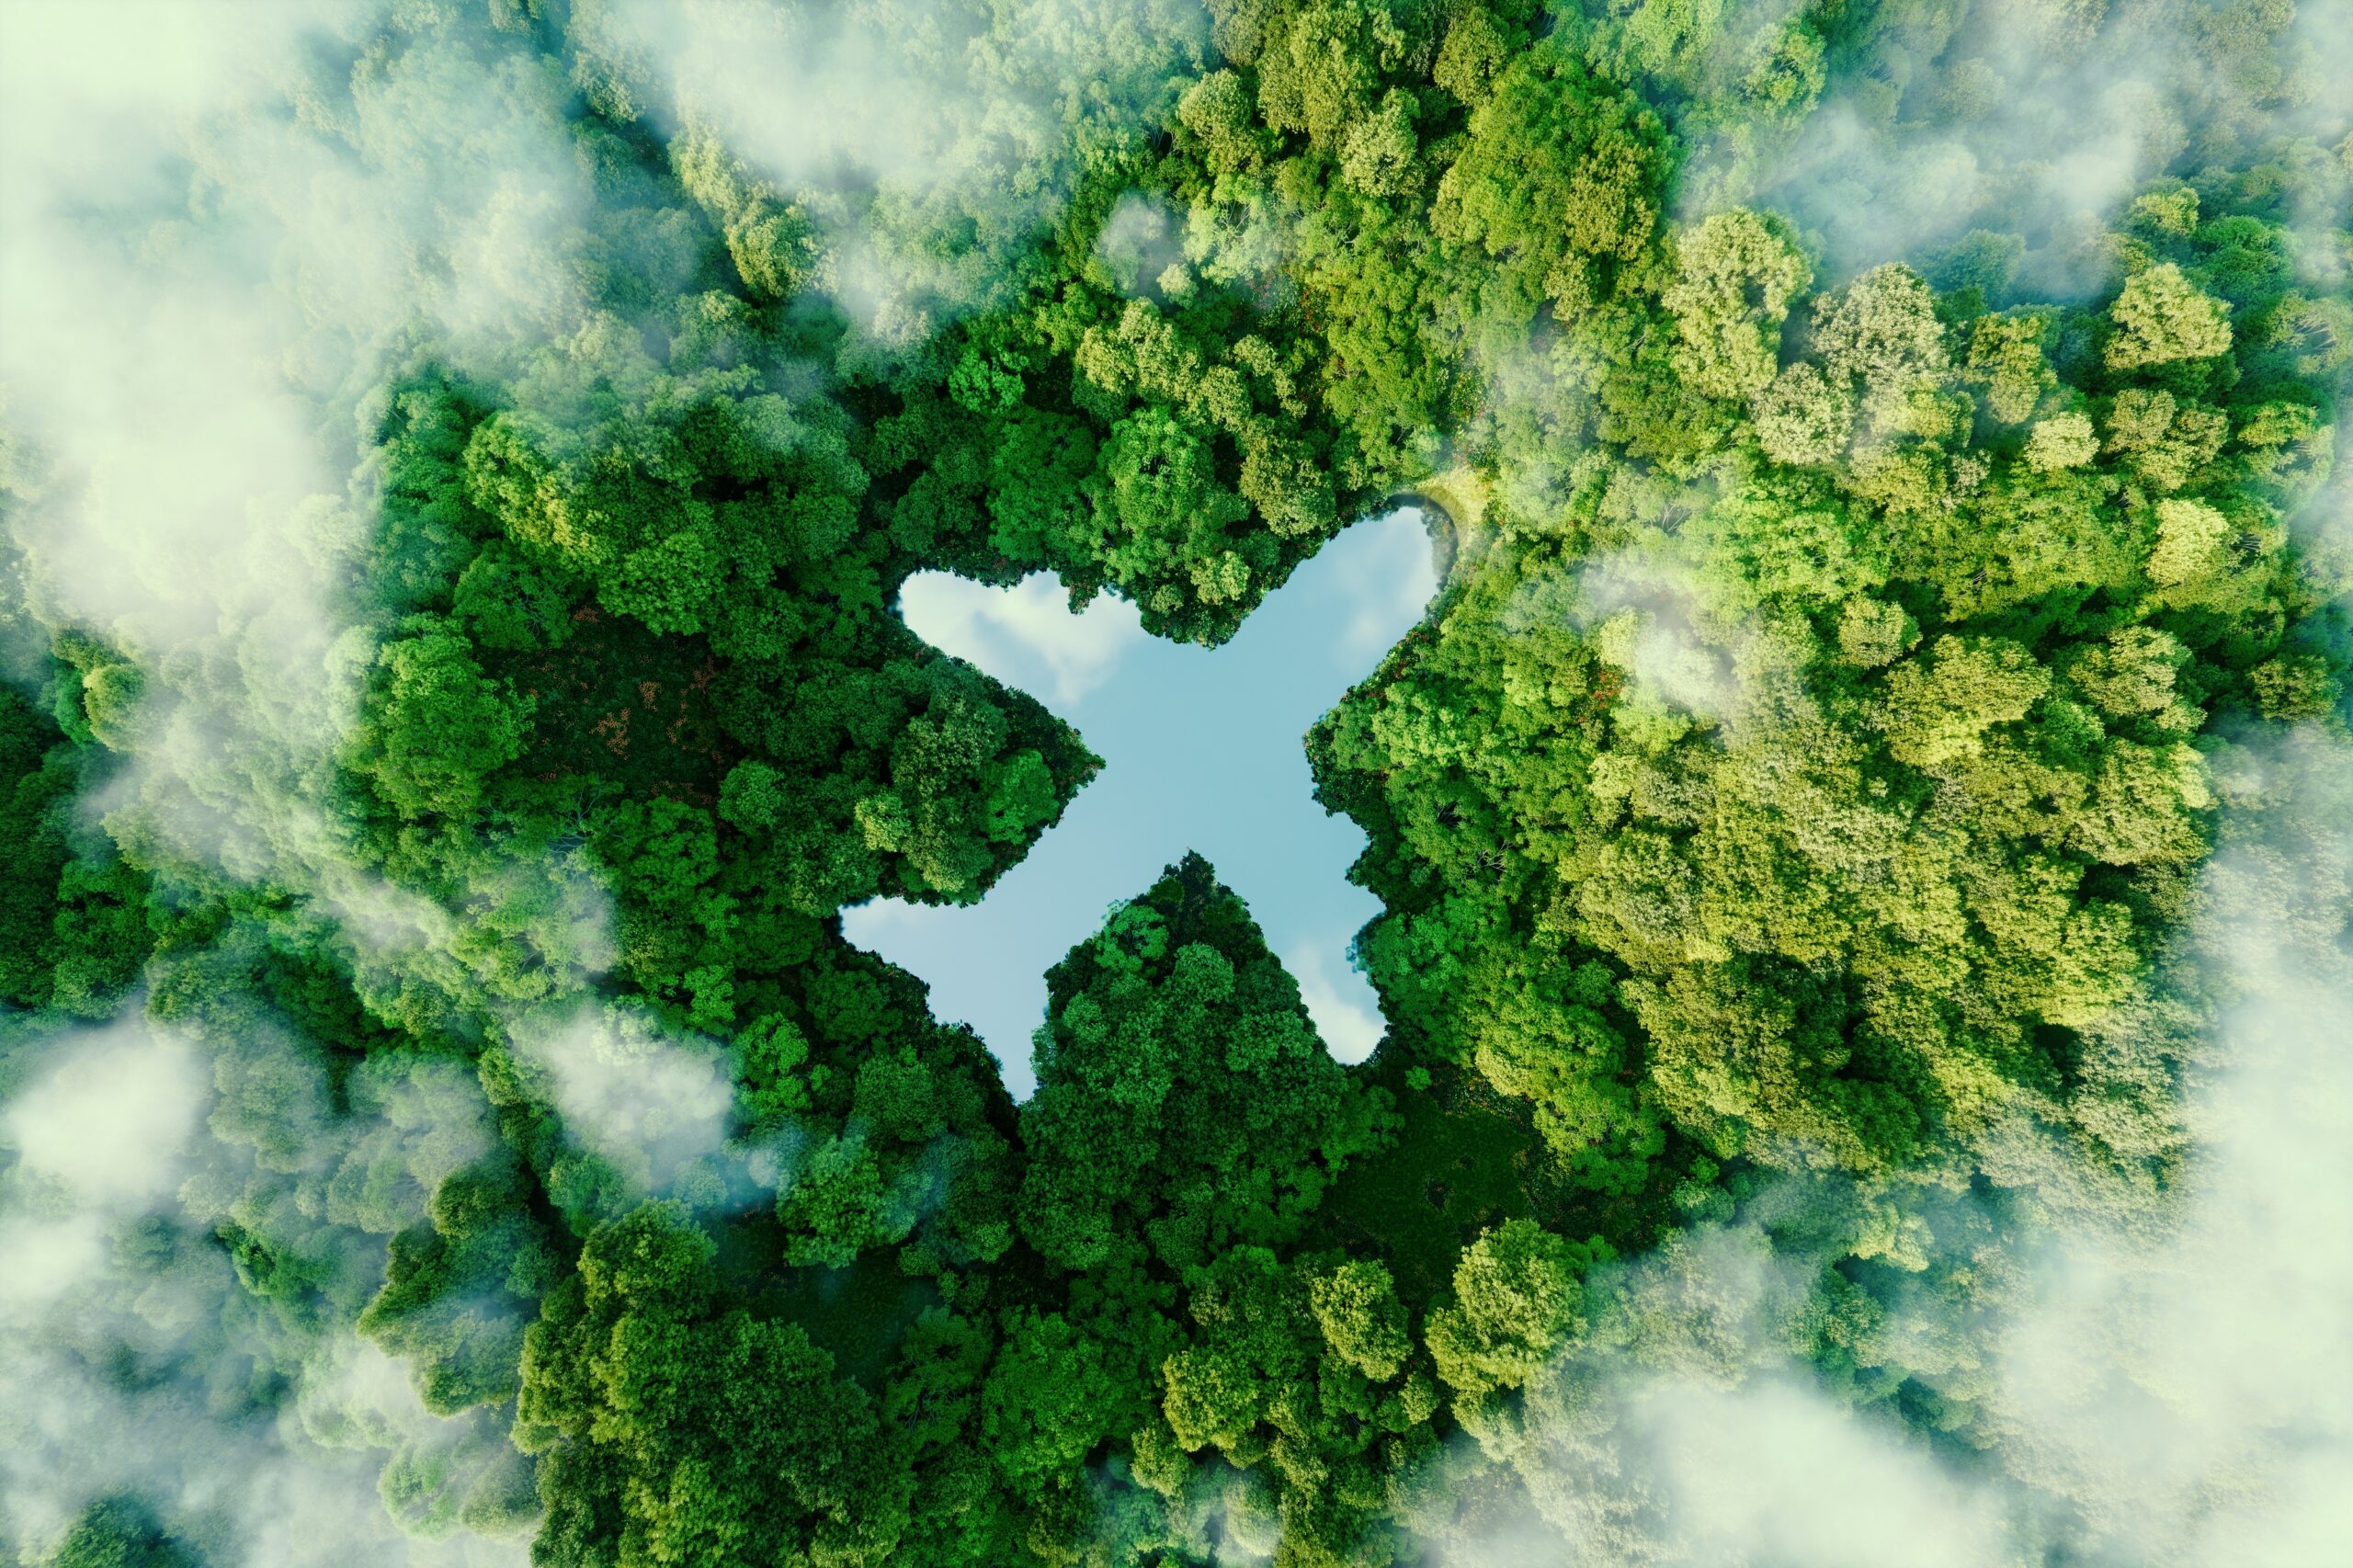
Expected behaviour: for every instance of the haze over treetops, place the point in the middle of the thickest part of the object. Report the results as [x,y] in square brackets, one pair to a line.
[1371,782]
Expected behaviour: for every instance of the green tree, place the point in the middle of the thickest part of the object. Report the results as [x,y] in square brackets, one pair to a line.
[2162,317]
[119,1532]
[1735,275]
[435,724]
[1184,1103]
[672,1430]
[1557,183]
[1516,1299]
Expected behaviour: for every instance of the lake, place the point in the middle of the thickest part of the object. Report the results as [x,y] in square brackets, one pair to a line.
[1201,750]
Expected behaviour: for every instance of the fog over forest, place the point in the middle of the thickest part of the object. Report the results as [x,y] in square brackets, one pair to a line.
[1796,1013]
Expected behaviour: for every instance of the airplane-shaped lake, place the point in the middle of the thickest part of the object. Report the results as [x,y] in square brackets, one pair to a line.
[1201,750]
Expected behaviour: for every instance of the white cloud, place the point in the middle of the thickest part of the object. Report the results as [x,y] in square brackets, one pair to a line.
[1343,1009]
[1772,1473]
[2175,1386]
[106,1267]
[1026,635]
[47,1258]
[112,1118]
[1646,615]
[1138,243]
[652,1106]
[948,120]
[2170,1384]
[2040,119]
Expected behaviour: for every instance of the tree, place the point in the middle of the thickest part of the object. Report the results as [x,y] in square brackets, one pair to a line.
[2005,358]
[1803,417]
[2162,317]
[2063,440]
[1053,1395]
[119,1532]
[1558,183]
[674,1431]
[1735,275]
[1517,1299]
[1184,1103]
[1940,705]
[1882,333]
[1356,1306]
[435,726]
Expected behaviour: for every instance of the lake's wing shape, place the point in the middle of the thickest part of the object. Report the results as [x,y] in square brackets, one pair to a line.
[1202,750]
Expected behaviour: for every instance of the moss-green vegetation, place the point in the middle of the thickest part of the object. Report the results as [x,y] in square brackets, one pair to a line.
[1795,790]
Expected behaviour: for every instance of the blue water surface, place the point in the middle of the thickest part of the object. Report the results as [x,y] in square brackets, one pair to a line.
[1201,750]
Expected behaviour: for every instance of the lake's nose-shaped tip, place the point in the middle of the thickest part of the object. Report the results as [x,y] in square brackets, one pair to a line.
[1202,754]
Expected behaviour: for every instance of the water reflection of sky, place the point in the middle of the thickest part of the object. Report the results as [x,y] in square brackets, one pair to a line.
[1202,750]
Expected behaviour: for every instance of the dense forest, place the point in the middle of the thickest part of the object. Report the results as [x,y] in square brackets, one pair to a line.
[1869,798]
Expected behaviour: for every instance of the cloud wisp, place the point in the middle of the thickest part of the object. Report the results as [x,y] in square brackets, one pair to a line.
[2160,1382]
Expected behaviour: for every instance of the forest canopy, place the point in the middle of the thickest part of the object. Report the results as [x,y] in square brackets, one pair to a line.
[1861,833]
